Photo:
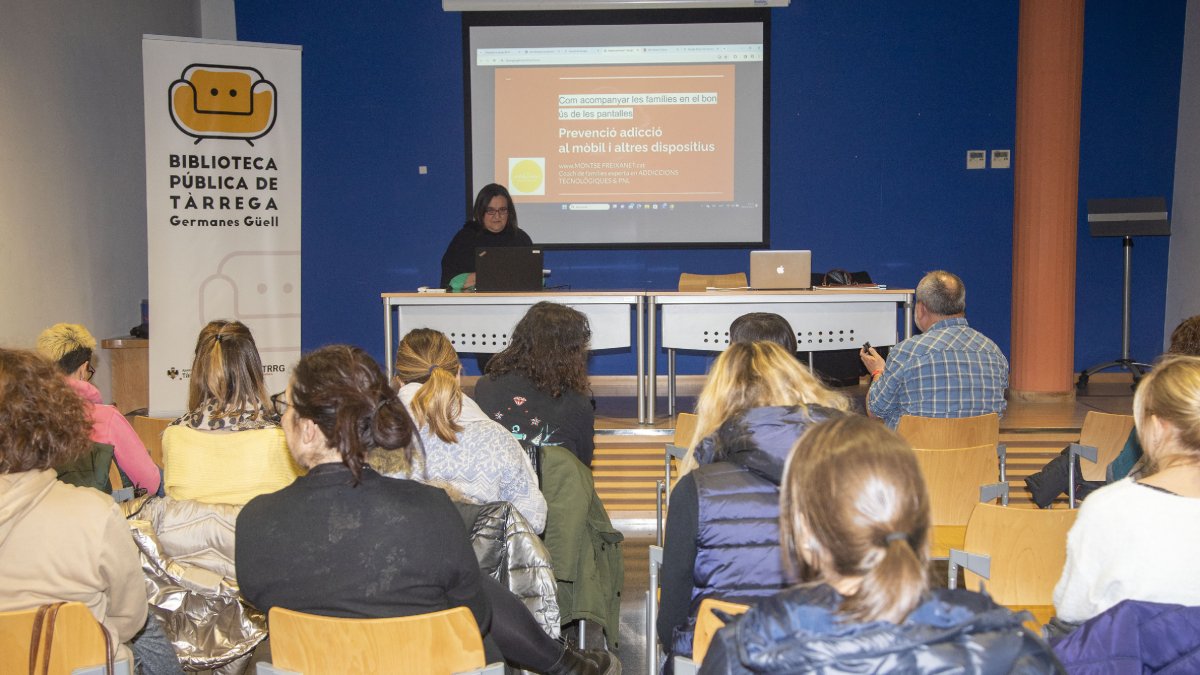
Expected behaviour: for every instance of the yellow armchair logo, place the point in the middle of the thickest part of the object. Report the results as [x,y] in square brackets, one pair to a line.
[211,101]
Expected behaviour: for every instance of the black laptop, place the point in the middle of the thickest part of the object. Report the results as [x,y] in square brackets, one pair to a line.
[508,268]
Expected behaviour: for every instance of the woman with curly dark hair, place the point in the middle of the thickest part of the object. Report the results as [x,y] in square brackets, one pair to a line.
[538,386]
[59,542]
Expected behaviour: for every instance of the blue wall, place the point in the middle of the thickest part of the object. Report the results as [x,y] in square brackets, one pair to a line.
[873,107]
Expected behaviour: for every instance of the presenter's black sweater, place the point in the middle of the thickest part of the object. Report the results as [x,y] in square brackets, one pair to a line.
[460,254]
[385,547]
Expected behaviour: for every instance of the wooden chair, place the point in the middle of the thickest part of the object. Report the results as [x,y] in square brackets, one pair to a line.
[707,625]
[438,643]
[78,643]
[953,478]
[1020,552]
[150,431]
[938,433]
[676,450]
[1100,441]
[702,282]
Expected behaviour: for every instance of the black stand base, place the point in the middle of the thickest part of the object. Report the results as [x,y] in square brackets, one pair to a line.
[1136,368]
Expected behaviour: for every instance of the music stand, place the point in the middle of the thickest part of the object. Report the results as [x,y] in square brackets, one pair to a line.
[1126,218]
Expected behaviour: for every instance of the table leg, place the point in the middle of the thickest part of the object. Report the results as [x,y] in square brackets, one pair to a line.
[640,348]
[387,337]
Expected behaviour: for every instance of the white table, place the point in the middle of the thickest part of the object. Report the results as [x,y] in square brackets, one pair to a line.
[482,322]
[824,320]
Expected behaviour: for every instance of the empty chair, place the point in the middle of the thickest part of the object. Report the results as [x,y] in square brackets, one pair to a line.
[67,636]
[1019,552]
[1107,433]
[702,282]
[938,433]
[954,478]
[438,643]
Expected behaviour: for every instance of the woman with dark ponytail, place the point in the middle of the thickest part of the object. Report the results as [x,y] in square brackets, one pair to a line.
[345,541]
[854,529]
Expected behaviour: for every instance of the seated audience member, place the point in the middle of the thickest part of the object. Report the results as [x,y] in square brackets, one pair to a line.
[538,386]
[854,527]
[72,348]
[473,458]
[1046,485]
[949,370]
[345,541]
[59,542]
[746,393]
[722,537]
[228,447]
[1136,539]
[763,327]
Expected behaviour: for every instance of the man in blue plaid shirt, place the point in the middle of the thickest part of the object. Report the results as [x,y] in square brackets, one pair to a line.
[949,370]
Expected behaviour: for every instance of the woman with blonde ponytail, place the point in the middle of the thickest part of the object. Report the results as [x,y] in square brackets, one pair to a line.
[854,529]
[228,447]
[466,453]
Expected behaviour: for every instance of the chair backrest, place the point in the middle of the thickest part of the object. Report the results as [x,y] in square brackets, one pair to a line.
[1028,548]
[942,433]
[439,643]
[702,282]
[685,429]
[953,478]
[150,431]
[77,640]
[1107,433]
[707,624]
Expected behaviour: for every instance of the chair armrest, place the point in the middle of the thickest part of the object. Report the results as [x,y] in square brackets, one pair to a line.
[686,666]
[264,668]
[651,636]
[121,667]
[1002,457]
[980,564]
[489,669]
[678,452]
[990,491]
[1088,452]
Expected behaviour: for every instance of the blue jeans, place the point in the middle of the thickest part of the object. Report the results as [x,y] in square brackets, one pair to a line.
[153,653]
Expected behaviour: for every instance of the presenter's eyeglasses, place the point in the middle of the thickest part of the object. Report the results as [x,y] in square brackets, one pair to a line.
[495,213]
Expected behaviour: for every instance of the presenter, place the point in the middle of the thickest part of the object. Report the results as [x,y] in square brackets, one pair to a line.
[493,223]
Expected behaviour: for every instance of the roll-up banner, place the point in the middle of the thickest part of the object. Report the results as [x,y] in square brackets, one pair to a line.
[222,203]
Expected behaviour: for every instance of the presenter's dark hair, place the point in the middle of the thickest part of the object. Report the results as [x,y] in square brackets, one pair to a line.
[485,197]
[763,327]
[549,347]
[942,293]
[345,392]
[43,422]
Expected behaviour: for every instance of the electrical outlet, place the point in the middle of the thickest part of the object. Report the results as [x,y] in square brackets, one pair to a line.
[422,169]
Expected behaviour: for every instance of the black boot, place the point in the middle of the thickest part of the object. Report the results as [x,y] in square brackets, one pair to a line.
[589,662]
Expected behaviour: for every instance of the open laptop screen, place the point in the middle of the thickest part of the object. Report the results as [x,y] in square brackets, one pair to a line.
[508,268]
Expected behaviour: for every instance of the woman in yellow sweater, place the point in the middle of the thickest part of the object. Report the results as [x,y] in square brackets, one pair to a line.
[229,447]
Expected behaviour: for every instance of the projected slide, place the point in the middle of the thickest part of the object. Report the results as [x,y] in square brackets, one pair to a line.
[630,134]
[623,134]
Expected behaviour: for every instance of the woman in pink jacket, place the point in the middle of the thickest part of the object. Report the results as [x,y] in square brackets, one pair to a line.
[71,347]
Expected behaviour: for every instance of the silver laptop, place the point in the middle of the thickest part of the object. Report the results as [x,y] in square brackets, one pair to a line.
[781,270]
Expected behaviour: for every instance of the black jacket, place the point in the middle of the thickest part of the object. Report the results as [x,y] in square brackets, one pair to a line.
[460,254]
[798,631]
